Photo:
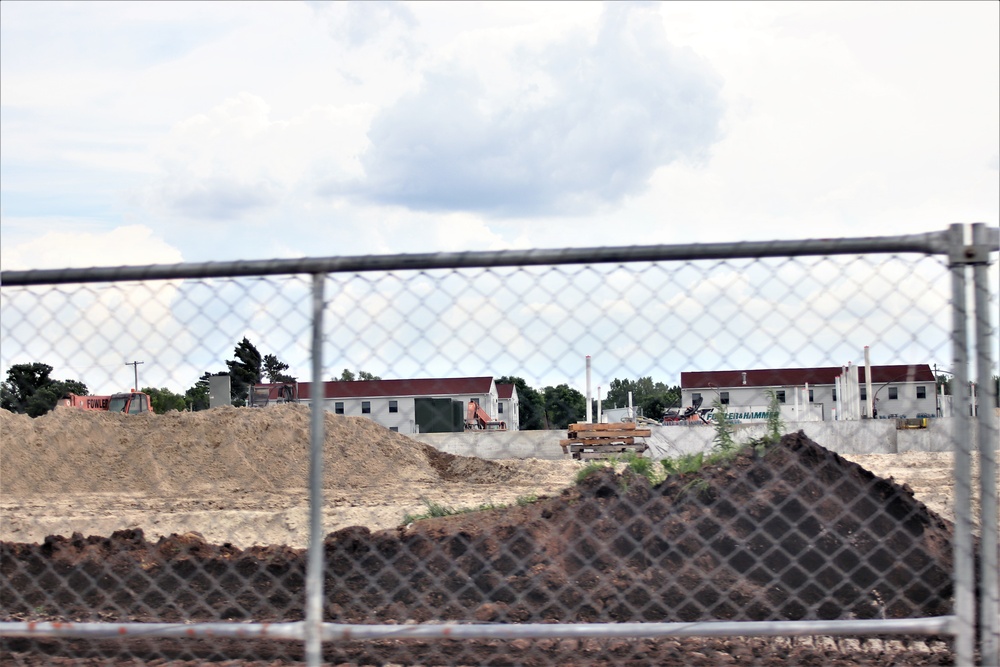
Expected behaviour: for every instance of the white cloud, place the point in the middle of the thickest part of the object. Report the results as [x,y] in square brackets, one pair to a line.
[580,123]
[125,245]
[138,133]
[236,158]
[362,24]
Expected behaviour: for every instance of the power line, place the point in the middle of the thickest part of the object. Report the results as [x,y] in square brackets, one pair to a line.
[135,367]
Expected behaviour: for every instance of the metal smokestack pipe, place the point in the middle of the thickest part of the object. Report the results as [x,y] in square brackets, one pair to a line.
[837,399]
[868,383]
[590,409]
[843,393]
[854,391]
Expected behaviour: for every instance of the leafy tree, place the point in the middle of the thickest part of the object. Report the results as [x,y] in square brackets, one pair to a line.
[348,376]
[652,398]
[274,369]
[47,397]
[656,405]
[29,389]
[247,368]
[23,381]
[531,404]
[163,400]
[943,381]
[619,390]
[563,406]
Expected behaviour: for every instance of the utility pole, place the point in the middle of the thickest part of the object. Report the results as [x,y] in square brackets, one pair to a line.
[135,367]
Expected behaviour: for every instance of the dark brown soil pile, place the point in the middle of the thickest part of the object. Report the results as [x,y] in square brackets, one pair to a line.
[794,533]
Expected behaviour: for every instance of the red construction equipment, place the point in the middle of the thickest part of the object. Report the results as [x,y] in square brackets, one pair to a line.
[129,402]
[477,418]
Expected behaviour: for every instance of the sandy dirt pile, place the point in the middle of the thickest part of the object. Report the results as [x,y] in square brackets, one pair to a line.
[76,451]
[234,475]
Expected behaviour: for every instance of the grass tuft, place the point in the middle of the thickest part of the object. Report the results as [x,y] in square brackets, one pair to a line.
[437,510]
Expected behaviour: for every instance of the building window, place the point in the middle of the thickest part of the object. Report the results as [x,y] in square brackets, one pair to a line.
[393,406]
[500,408]
[394,429]
[696,398]
[921,392]
[780,395]
[366,407]
[893,393]
[338,407]
[864,393]
[834,393]
[811,396]
[724,397]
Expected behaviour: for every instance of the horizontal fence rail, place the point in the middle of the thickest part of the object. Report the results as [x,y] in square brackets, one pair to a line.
[929,243]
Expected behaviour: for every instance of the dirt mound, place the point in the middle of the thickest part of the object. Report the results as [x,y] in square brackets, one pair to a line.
[226,449]
[795,533]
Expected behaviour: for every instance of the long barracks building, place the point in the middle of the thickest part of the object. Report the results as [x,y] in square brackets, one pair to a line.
[811,394]
[420,405]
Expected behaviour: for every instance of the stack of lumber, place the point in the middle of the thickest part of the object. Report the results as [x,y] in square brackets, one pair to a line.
[602,441]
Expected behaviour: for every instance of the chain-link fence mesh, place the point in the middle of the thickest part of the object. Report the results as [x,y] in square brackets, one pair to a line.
[495,542]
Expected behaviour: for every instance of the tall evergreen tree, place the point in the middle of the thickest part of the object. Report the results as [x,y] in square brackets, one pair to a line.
[274,369]
[244,370]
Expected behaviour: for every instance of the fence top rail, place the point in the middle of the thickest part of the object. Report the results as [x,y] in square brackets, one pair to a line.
[926,243]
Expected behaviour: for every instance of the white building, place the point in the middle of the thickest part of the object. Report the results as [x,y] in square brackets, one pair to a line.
[419,405]
[807,394]
[508,406]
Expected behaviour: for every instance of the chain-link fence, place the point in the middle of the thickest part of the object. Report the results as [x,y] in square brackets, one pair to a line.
[428,481]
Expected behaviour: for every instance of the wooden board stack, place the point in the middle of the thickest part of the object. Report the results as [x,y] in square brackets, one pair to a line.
[602,441]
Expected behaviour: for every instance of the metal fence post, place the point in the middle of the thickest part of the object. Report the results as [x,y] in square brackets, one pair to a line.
[964,560]
[989,609]
[314,565]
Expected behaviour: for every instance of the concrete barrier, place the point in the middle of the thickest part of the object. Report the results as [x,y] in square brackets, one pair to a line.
[498,444]
[876,436]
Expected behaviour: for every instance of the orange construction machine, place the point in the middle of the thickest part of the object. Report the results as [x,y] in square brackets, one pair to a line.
[477,418]
[129,402]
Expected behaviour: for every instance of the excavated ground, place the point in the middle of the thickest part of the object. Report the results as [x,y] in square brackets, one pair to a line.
[795,532]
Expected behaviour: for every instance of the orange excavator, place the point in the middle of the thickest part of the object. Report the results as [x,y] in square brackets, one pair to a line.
[477,418]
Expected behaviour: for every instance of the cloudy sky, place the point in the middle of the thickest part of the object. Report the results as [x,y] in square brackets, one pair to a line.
[145,132]
[163,132]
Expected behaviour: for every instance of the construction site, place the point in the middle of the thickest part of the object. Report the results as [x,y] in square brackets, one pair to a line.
[142,498]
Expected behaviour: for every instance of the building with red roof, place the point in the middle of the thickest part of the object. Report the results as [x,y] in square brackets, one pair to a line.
[901,390]
[415,405]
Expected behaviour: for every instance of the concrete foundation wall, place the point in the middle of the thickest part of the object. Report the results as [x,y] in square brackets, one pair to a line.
[498,444]
[878,436]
